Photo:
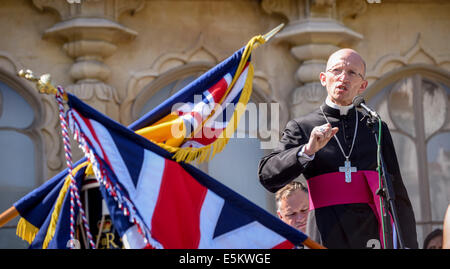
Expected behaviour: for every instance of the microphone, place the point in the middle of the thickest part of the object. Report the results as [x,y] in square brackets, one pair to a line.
[358,101]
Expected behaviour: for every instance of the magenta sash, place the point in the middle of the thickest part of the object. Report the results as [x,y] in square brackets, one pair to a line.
[331,189]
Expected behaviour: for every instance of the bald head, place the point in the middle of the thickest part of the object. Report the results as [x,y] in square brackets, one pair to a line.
[348,54]
[344,76]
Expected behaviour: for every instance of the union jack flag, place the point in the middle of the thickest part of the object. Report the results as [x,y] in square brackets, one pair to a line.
[157,202]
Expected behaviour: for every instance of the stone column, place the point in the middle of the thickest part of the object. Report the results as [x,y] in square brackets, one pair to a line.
[90,33]
[313,32]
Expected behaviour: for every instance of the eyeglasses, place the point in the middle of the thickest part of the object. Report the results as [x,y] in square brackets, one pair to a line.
[338,71]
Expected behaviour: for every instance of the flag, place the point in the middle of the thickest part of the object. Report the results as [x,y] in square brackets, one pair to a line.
[44,212]
[157,202]
[198,121]
[205,119]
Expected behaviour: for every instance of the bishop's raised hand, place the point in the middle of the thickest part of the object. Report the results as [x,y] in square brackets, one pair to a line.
[320,135]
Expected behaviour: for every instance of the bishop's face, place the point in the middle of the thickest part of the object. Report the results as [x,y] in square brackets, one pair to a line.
[343,78]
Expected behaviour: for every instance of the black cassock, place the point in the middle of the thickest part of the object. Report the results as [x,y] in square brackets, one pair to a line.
[345,225]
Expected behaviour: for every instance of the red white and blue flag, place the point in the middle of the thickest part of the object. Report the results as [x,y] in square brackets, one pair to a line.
[157,202]
[197,122]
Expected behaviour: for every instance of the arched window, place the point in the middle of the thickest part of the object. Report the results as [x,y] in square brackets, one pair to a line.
[21,160]
[237,165]
[415,103]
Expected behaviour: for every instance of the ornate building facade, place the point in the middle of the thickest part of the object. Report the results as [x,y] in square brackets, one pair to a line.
[126,56]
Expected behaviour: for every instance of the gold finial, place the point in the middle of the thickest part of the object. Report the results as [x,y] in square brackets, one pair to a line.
[43,83]
[273,32]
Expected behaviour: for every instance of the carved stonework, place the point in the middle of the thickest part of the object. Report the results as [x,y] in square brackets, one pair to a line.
[419,53]
[107,9]
[323,8]
[313,32]
[318,31]
[90,33]
[51,132]
[350,8]
[297,9]
[290,9]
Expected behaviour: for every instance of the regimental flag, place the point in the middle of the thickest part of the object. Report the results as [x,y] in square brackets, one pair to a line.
[159,203]
[198,121]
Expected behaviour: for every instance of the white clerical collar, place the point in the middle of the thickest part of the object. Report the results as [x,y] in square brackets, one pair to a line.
[343,110]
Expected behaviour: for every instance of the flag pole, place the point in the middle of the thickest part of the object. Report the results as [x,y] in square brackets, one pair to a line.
[312,244]
[8,215]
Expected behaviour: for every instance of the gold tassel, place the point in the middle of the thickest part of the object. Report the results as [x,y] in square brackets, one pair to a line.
[55,215]
[26,230]
[59,201]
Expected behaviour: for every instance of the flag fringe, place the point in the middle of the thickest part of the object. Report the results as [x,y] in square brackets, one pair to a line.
[55,215]
[26,230]
[204,153]
[58,205]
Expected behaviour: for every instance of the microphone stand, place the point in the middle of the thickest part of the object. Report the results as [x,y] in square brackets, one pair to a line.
[386,191]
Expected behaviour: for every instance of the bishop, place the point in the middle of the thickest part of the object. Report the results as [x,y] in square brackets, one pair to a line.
[315,145]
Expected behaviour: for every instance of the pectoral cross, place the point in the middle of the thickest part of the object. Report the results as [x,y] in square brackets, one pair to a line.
[347,169]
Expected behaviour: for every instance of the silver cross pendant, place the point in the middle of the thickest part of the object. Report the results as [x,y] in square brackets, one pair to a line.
[347,169]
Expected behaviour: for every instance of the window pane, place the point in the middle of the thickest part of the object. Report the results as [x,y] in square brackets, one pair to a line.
[15,111]
[16,160]
[165,92]
[434,97]
[181,83]
[401,106]
[407,158]
[438,152]
[447,90]
[383,111]
[17,178]
[434,106]
[380,103]
[157,99]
